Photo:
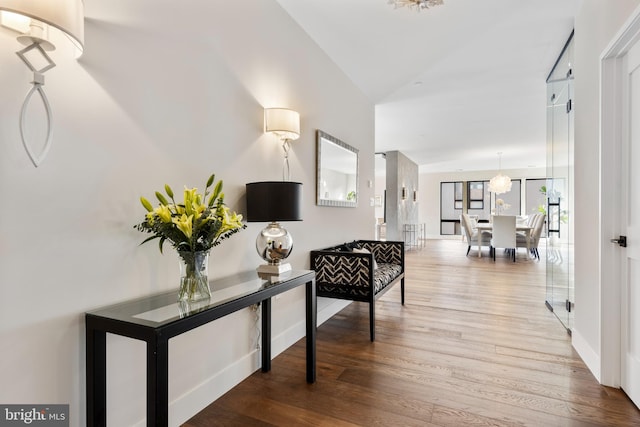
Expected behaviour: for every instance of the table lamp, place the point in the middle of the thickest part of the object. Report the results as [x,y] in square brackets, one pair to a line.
[273,201]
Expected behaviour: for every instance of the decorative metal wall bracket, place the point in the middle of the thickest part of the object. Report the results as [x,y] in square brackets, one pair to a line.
[38,83]
[286,170]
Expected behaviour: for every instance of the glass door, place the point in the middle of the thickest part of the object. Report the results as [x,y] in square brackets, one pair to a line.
[559,189]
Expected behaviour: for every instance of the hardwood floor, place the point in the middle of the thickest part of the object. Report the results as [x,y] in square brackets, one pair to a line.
[473,345]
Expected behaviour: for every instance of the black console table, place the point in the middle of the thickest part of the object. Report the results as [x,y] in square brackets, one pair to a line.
[157,318]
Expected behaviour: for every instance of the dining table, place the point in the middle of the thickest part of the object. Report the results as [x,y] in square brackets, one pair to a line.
[487,226]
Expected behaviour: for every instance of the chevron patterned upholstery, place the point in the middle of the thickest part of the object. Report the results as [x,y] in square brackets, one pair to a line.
[344,271]
[386,252]
[384,275]
[344,274]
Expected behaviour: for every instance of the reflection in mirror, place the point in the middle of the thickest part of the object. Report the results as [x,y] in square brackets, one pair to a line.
[337,172]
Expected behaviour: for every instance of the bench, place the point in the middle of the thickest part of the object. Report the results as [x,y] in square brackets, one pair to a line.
[362,270]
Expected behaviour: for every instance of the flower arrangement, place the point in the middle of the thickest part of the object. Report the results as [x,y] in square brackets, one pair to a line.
[195,224]
[193,227]
[501,206]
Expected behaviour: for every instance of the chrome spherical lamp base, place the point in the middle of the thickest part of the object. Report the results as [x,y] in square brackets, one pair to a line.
[274,244]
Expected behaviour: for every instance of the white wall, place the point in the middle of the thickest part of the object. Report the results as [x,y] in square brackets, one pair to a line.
[429,199]
[165,93]
[597,23]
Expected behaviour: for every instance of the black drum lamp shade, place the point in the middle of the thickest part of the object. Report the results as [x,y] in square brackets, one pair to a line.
[274,201]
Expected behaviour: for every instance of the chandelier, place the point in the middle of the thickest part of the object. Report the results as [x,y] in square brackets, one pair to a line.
[500,183]
[415,4]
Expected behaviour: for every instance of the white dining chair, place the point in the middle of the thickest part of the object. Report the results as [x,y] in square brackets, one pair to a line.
[537,233]
[530,222]
[471,221]
[471,233]
[534,236]
[504,235]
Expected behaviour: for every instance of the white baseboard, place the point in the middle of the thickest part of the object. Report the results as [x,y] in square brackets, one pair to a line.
[444,237]
[587,353]
[192,402]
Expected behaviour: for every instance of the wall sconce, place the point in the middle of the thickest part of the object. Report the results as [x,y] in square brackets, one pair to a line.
[415,195]
[35,20]
[285,124]
[404,193]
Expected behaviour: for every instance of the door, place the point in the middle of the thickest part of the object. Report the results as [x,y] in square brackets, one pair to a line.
[557,190]
[630,220]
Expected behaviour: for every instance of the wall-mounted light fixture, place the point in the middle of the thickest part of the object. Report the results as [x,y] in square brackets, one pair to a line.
[38,21]
[285,124]
[404,193]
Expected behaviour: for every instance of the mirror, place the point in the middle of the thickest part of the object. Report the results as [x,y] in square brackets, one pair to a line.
[337,172]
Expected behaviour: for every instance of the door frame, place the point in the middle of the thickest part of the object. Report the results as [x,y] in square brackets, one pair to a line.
[611,139]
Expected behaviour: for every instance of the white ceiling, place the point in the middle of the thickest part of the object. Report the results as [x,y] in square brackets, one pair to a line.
[453,85]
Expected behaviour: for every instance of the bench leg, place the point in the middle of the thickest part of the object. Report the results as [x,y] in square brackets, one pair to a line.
[402,290]
[372,320]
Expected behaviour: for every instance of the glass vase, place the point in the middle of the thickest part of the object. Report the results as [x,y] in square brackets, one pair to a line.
[194,280]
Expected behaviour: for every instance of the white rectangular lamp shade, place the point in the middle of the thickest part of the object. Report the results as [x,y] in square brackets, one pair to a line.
[283,122]
[64,15]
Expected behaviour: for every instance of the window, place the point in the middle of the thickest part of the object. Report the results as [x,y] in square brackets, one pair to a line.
[450,207]
[476,194]
[457,196]
[511,200]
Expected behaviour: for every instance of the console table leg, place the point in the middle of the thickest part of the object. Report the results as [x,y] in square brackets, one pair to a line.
[96,376]
[266,335]
[158,383]
[311,314]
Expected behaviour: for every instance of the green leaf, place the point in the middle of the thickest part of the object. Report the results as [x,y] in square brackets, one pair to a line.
[148,239]
[162,199]
[146,204]
[216,193]
[210,180]
[161,243]
[183,246]
[168,190]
